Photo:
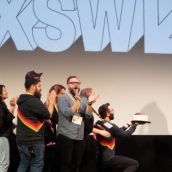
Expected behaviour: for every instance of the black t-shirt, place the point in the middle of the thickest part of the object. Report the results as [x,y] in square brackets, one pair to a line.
[107,145]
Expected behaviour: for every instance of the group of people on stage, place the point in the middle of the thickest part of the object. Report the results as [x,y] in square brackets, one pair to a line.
[52,136]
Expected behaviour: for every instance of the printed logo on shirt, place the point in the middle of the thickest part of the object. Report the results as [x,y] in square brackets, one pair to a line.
[30,124]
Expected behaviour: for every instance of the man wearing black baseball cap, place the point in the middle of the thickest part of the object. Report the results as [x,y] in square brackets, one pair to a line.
[31,114]
[31,77]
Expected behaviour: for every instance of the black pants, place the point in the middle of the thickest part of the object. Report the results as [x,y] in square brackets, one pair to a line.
[121,162]
[51,159]
[71,152]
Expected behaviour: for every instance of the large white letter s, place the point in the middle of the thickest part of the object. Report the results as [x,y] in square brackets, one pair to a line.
[55,32]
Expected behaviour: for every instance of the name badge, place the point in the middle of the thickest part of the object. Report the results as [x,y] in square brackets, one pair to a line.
[108,125]
[77,119]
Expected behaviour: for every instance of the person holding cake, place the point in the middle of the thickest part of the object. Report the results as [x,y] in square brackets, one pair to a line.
[106,146]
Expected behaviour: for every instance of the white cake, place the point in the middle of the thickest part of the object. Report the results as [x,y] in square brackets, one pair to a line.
[141,117]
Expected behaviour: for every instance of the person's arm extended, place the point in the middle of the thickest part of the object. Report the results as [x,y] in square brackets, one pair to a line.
[126,126]
[118,132]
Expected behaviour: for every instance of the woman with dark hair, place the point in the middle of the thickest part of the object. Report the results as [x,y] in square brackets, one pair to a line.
[6,127]
[51,149]
[88,123]
[89,157]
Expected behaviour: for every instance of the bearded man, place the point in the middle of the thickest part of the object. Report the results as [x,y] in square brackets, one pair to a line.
[31,114]
[107,157]
[72,108]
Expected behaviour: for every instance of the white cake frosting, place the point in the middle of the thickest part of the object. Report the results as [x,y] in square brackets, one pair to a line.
[141,117]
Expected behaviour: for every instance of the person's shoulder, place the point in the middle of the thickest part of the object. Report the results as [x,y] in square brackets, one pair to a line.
[34,101]
[64,96]
[99,124]
[33,98]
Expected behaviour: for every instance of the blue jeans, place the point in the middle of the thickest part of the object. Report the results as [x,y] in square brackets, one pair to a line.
[28,162]
[4,154]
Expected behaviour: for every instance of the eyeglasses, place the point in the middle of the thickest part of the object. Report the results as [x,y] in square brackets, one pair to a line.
[74,83]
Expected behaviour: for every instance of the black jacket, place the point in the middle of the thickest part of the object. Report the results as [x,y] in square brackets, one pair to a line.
[6,123]
[31,114]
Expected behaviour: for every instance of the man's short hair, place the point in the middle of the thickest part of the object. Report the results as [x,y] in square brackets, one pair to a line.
[103,109]
[70,77]
[32,78]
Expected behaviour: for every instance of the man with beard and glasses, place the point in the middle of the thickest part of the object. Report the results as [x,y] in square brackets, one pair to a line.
[31,115]
[106,146]
[70,130]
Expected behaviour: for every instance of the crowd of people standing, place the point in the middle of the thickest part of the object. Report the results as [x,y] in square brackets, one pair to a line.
[52,136]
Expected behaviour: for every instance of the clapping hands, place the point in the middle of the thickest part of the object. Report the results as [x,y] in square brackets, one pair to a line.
[13,101]
[92,98]
[13,104]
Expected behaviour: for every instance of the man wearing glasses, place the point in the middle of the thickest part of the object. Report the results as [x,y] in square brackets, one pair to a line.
[70,129]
